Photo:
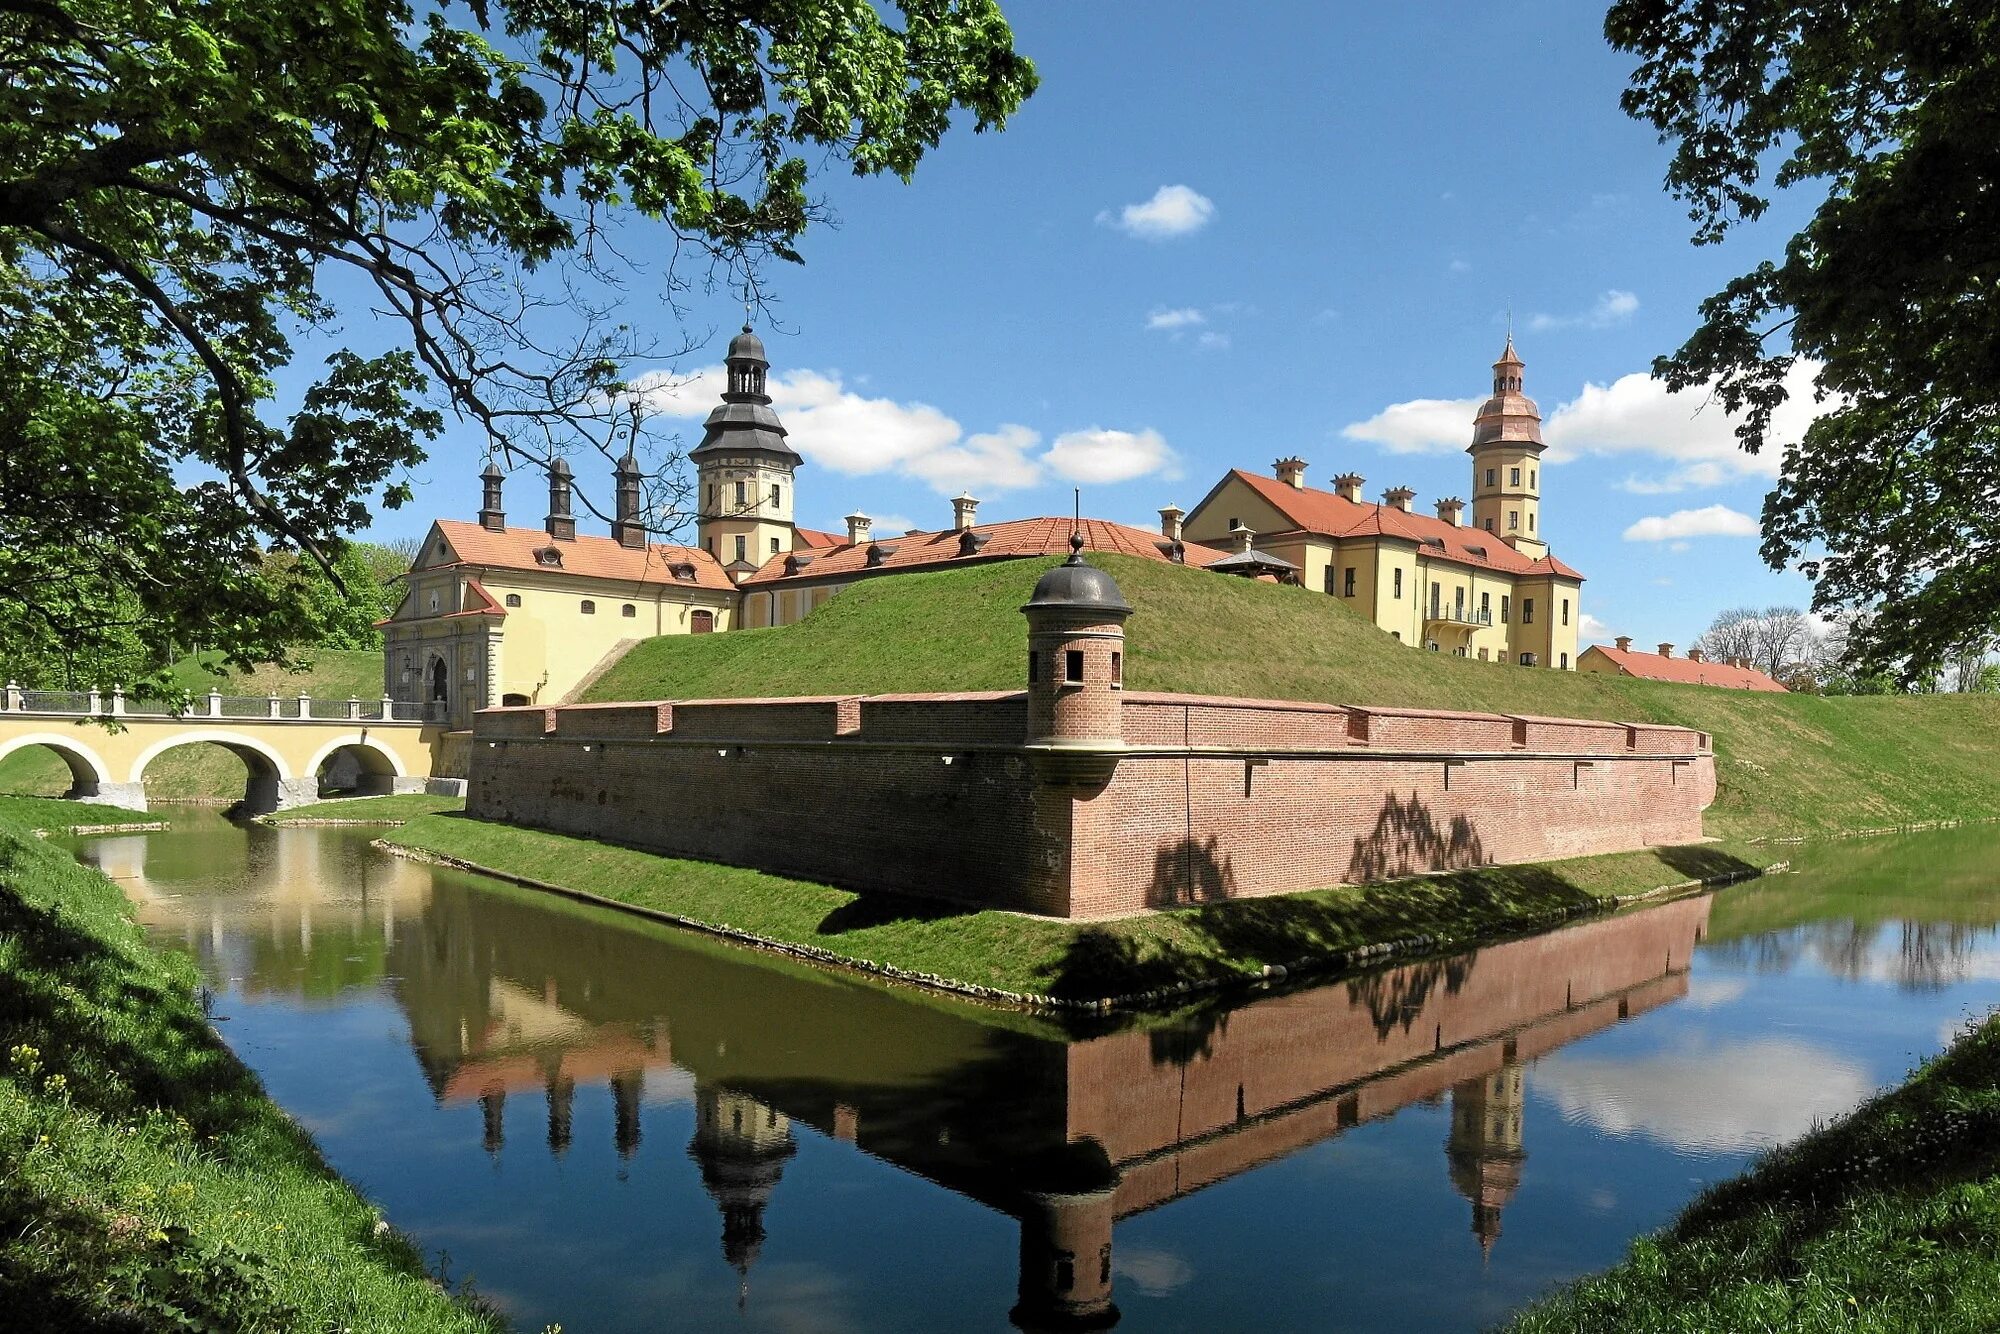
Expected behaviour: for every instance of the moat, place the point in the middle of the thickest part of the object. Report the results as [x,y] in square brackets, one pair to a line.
[619,1127]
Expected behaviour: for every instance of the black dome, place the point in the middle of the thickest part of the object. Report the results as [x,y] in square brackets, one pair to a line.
[1075,584]
[747,346]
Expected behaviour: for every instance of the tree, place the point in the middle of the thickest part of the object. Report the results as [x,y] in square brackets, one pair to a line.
[1783,641]
[185,188]
[1732,635]
[1888,111]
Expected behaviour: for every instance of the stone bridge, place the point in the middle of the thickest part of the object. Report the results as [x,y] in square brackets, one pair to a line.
[369,747]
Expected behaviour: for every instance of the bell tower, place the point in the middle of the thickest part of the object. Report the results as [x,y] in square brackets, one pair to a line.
[744,468]
[1506,454]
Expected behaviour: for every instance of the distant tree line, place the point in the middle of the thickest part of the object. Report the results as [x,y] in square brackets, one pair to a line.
[1815,655]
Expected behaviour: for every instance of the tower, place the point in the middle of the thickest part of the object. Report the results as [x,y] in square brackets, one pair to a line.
[1076,671]
[741,1146]
[1485,1146]
[629,528]
[492,515]
[1506,454]
[744,468]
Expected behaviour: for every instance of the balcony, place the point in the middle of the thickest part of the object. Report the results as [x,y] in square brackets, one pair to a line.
[1455,615]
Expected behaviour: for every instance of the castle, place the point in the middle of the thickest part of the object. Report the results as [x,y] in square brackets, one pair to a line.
[497,615]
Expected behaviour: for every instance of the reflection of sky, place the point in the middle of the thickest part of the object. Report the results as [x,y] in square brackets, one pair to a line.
[1364,1230]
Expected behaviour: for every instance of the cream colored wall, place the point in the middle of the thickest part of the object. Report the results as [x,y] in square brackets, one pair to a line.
[551,644]
[1209,524]
[1494,502]
[760,523]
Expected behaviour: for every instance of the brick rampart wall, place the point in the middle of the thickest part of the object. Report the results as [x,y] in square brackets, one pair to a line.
[1211,798]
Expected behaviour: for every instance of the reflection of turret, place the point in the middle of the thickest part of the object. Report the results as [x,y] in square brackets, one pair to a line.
[741,1146]
[625,1091]
[492,1109]
[1485,1145]
[562,1096]
[1070,1205]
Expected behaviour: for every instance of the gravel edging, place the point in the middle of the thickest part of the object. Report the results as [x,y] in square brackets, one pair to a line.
[1382,951]
[330,822]
[82,830]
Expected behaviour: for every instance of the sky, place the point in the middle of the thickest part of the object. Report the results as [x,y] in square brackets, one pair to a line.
[1220,235]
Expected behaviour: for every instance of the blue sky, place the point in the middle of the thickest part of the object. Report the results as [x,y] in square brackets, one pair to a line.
[1219,235]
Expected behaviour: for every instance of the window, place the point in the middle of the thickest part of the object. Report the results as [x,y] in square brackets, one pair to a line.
[1513,477]
[1527,611]
[1482,655]
[1527,659]
[777,496]
[1234,523]
[1513,520]
[774,546]
[1399,583]
[1073,666]
[513,599]
[701,623]
[741,544]
[513,701]
[1034,666]
[1436,596]
[1492,476]
[1329,579]
[1489,524]
[1565,611]
[1396,635]
[711,495]
[1506,607]
[1486,608]
[1117,668]
[589,607]
[1347,583]
[1431,644]
[628,611]
[1564,661]
[1531,521]
[434,600]
[711,546]
[1531,477]
[742,494]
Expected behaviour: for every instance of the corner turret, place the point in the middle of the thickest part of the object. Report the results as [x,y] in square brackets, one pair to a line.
[1076,671]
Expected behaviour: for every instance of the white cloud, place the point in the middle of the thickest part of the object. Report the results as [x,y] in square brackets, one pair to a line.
[993,462]
[1594,631]
[1155,1273]
[1459,266]
[1183,317]
[1174,210]
[1611,308]
[1420,426]
[1709,521]
[1212,340]
[1103,457]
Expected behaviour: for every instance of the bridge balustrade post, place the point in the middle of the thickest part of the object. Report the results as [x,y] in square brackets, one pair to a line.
[353,708]
[14,701]
[214,702]
[271,702]
[305,705]
[96,704]
[118,701]
[388,706]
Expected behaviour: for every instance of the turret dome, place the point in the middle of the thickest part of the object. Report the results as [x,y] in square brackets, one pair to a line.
[1075,584]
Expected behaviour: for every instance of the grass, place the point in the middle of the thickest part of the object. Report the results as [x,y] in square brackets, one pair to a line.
[146,1181]
[392,810]
[1886,1220]
[1074,962]
[1789,765]
[39,813]
[204,772]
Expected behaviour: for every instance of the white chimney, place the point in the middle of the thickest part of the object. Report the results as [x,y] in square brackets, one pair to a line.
[1666,650]
[1170,522]
[1348,486]
[1291,471]
[1449,510]
[963,511]
[859,528]
[1399,497]
[1243,536]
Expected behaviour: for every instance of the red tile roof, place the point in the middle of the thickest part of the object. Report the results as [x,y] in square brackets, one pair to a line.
[590,557]
[1018,537]
[1653,667]
[814,539]
[1317,511]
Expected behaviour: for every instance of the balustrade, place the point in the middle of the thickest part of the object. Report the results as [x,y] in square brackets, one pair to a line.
[114,703]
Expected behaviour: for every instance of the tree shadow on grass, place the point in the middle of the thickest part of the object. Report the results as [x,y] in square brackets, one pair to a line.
[879,909]
[1700,861]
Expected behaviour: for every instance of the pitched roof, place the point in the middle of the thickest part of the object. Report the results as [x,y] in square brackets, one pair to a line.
[996,541]
[587,557]
[1653,667]
[1323,512]
[815,539]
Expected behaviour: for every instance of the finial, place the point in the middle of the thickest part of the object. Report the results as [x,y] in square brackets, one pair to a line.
[1075,549]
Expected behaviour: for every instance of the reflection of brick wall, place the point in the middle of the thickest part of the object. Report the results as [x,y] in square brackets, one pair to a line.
[1211,799]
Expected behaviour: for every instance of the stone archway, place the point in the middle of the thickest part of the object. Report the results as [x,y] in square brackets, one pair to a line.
[90,777]
[359,765]
[269,784]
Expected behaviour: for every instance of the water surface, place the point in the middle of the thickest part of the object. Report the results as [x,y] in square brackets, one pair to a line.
[619,1127]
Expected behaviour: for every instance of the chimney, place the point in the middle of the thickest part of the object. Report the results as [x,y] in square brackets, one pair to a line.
[491,517]
[561,524]
[1695,655]
[1449,510]
[1170,522]
[1348,486]
[1291,471]
[1243,536]
[1666,650]
[628,529]
[1399,497]
[859,528]
[963,512]
[1624,643]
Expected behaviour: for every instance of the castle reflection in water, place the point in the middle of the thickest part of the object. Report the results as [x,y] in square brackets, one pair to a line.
[513,1006]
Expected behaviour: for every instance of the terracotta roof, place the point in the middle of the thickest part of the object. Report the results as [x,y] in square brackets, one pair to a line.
[996,541]
[1324,512]
[1653,667]
[589,557]
[813,539]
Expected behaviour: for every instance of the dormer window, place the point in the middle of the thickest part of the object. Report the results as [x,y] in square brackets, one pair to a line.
[684,571]
[549,557]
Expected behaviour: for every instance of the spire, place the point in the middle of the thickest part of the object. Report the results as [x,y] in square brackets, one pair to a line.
[744,421]
[1507,370]
[492,516]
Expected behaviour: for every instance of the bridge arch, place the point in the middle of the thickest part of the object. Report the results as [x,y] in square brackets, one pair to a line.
[377,763]
[270,783]
[89,775]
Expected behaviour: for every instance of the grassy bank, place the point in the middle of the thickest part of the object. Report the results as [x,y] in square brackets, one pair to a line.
[1075,962]
[394,810]
[203,772]
[1886,1220]
[146,1182]
[37,813]
[1789,765]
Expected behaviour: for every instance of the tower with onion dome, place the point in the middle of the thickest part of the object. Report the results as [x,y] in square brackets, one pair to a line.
[744,467]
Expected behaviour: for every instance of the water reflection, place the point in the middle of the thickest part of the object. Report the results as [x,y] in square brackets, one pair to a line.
[513,1003]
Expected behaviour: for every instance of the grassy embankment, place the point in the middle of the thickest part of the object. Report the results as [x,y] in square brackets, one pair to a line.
[1884,1220]
[392,810]
[1790,766]
[146,1182]
[204,772]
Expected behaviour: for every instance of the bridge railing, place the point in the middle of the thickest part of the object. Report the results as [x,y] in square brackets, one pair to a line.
[113,704]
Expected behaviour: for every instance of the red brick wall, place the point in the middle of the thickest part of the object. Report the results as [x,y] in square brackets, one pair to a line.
[934,795]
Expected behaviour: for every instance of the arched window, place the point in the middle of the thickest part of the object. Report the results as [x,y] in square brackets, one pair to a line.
[589,607]
[628,611]
[701,622]
[440,680]
[513,599]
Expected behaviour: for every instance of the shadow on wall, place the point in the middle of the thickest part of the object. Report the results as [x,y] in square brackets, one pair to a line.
[1397,996]
[1186,872]
[1407,840]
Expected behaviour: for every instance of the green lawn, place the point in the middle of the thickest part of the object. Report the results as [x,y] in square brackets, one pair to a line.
[391,810]
[146,1182]
[1789,765]
[45,814]
[1886,1220]
[1076,962]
